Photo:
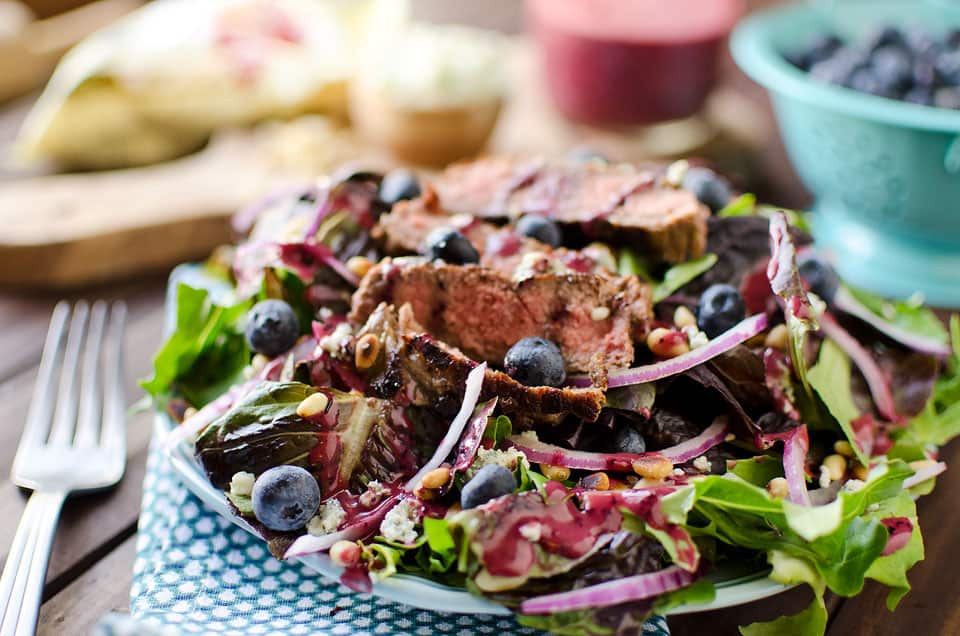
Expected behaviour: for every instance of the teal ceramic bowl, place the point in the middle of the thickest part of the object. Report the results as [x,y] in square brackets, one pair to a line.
[885,174]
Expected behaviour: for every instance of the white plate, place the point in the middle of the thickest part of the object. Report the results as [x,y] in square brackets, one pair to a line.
[733,588]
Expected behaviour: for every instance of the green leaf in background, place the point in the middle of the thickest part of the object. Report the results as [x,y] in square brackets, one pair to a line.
[743,205]
[910,315]
[206,353]
[830,378]
[629,263]
[681,274]
[699,592]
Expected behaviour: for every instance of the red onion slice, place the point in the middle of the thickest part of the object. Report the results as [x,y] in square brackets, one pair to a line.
[876,381]
[901,529]
[470,397]
[473,435]
[648,373]
[846,302]
[795,447]
[543,453]
[627,589]
[923,474]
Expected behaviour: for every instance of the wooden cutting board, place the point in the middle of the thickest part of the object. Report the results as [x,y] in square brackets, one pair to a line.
[65,230]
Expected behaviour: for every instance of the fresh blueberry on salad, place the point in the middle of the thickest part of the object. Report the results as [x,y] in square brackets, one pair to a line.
[721,307]
[399,185]
[819,274]
[490,482]
[627,439]
[535,362]
[711,189]
[285,498]
[540,228]
[272,327]
[449,245]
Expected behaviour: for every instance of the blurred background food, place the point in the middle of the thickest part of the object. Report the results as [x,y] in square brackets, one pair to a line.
[156,127]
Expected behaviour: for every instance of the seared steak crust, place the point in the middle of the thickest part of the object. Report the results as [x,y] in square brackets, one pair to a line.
[415,368]
[593,319]
[619,203]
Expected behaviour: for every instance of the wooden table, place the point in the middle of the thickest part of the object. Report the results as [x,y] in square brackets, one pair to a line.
[90,570]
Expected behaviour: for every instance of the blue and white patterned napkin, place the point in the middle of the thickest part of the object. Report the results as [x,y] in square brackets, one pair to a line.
[197,573]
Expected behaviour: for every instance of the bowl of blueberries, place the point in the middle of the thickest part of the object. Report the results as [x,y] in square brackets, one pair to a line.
[867,96]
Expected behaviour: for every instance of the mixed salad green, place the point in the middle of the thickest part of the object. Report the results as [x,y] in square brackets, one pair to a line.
[791,430]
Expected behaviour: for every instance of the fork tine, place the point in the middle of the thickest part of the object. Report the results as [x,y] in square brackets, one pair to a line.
[113,434]
[41,404]
[88,417]
[64,418]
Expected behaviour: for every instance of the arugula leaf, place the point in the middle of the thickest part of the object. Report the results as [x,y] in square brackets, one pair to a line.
[206,353]
[681,274]
[442,549]
[830,378]
[909,314]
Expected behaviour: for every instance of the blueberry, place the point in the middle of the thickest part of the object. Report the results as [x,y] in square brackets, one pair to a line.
[535,362]
[721,307]
[490,482]
[947,67]
[952,38]
[819,274]
[540,228]
[865,81]
[823,47]
[919,95]
[272,327]
[398,185]
[893,67]
[448,245]
[924,73]
[285,498]
[885,35]
[800,59]
[947,97]
[628,439]
[711,189]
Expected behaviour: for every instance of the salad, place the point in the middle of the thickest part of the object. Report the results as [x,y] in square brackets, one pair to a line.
[574,387]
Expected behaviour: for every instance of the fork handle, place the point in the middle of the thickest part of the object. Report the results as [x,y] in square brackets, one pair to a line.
[21,586]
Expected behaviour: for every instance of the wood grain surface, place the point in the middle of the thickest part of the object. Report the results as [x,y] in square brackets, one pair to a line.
[93,554]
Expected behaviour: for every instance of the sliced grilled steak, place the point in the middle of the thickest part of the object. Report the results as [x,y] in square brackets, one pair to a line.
[593,319]
[619,203]
[405,229]
[413,367]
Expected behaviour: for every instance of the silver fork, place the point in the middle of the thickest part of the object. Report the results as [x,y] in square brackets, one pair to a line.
[74,442]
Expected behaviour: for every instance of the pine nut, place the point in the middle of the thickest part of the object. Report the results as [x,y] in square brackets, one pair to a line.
[436,478]
[368,348]
[313,405]
[683,317]
[843,447]
[359,265]
[777,487]
[667,343]
[652,466]
[777,338]
[345,553]
[836,466]
[596,481]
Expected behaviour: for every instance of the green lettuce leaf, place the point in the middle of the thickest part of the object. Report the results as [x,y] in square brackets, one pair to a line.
[830,378]
[757,470]
[810,622]
[206,353]
[892,570]
[743,205]
[498,429]
[910,314]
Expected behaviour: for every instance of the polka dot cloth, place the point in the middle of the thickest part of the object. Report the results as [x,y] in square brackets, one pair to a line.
[197,573]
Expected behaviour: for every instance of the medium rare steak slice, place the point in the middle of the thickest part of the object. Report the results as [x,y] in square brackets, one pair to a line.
[416,368]
[615,202]
[405,230]
[593,319]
